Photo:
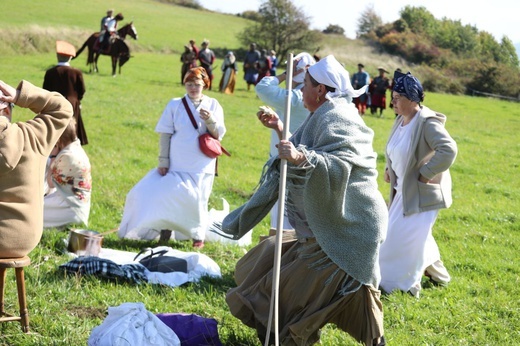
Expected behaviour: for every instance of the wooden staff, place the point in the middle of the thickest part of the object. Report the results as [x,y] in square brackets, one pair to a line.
[275,292]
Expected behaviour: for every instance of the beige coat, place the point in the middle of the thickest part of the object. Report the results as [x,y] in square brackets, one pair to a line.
[24,150]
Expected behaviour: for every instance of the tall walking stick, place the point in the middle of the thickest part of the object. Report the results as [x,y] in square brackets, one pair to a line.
[275,292]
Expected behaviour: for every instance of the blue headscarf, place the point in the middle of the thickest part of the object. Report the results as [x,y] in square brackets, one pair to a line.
[409,86]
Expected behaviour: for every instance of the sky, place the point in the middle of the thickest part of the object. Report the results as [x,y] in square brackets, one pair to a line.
[498,17]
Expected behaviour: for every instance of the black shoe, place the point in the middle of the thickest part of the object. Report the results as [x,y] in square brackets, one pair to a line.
[382,342]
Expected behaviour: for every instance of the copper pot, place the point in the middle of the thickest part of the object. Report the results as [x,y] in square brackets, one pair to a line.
[84,242]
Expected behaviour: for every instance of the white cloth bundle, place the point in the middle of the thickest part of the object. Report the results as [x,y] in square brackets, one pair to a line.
[132,324]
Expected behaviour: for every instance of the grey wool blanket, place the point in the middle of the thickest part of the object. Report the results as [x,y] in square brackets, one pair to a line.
[341,200]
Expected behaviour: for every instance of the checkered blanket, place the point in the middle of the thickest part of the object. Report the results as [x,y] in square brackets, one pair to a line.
[105,268]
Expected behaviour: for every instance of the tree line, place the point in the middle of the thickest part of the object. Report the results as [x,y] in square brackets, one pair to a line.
[459,58]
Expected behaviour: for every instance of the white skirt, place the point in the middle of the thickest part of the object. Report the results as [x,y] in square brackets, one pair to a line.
[177,201]
[409,248]
[57,212]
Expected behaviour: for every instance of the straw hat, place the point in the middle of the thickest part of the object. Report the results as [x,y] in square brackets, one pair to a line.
[65,48]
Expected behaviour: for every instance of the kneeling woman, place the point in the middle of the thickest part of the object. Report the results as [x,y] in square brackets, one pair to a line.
[175,195]
[329,266]
[68,182]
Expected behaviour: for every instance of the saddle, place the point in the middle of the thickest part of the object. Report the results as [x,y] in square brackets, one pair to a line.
[103,47]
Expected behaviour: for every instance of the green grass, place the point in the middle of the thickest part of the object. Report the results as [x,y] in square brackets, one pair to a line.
[478,236]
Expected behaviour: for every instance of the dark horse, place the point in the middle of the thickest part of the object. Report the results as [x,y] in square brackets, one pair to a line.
[118,50]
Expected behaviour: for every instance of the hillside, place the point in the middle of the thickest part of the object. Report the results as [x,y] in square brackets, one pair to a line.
[478,236]
[162,28]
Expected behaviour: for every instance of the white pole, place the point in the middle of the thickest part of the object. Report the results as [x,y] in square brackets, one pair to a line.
[273,310]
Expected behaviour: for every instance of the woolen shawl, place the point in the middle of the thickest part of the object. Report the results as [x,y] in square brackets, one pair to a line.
[342,203]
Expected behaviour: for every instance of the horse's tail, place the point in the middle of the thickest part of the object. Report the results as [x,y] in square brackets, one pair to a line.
[82,48]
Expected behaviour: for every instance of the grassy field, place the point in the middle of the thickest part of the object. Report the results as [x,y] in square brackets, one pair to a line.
[479,236]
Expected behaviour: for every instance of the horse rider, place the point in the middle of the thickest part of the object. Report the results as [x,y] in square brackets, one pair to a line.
[110,32]
[105,20]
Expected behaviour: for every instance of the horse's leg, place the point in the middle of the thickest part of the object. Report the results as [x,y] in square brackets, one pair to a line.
[96,57]
[114,65]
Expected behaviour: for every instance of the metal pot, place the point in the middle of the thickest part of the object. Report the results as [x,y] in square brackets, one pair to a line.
[84,242]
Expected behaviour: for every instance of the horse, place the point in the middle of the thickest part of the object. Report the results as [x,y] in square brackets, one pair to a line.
[119,50]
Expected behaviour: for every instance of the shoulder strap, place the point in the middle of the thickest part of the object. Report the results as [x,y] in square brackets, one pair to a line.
[194,123]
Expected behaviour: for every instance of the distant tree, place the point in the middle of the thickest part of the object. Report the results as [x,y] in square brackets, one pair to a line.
[489,48]
[282,27]
[419,20]
[334,29]
[186,3]
[460,39]
[251,15]
[368,22]
[508,53]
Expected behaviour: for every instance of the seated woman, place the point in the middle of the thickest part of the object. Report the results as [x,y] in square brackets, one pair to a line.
[174,196]
[69,182]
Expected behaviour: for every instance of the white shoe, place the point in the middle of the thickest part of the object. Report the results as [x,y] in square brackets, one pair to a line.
[438,273]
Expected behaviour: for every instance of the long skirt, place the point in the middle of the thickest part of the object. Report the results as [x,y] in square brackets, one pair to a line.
[409,248]
[177,201]
[57,212]
[313,291]
[227,82]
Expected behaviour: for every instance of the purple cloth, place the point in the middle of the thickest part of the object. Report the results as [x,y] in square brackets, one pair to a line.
[192,330]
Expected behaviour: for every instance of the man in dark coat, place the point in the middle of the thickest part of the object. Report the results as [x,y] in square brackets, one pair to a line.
[68,81]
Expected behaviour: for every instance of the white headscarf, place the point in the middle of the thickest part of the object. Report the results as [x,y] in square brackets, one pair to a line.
[303,60]
[330,72]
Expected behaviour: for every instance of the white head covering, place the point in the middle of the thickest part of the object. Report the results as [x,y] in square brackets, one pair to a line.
[330,72]
[303,59]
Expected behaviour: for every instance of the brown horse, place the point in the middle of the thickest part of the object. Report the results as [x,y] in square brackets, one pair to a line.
[118,50]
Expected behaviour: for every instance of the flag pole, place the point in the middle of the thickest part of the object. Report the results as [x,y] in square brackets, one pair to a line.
[275,294]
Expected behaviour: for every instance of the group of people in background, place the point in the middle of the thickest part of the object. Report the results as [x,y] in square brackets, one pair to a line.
[194,56]
[375,98]
[341,244]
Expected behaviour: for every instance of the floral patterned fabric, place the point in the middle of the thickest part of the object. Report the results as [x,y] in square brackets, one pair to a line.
[71,175]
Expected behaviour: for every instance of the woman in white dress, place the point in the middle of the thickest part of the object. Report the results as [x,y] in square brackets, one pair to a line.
[174,196]
[419,153]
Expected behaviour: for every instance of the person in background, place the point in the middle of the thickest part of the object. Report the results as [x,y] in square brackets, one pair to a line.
[206,59]
[391,93]
[24,151]
[69,82]
[105,20]
[263,65]
[419,153]
[110,32]
[187,59]
[329,270]
[377,89]
[69,182]
[174,196]
[274,62]
[195,50]
[229,71]
[250,62]
[269,91]
[359,80]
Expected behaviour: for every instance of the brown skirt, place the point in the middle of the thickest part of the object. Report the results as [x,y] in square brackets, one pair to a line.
[310,294]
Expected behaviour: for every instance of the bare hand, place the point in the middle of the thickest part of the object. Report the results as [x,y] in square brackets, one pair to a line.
[204,114]
[10,93]
[287,151]
[387,176]
[162,170]
[269,120]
